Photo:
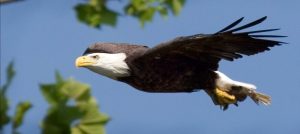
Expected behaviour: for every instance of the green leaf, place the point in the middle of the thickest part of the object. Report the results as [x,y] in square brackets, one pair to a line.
[163,11]
[142,10]
[147,15]
[59,119]
[21,109]
[58,77]
[52,95]
[95,13]
[92,123]
[175,5]
[81,117]
[97,3]
[4,105]
[4,118]
[10,73]
[109,17]
[88,14]
[76,90]
[88,129]
[20,112]
[93,115]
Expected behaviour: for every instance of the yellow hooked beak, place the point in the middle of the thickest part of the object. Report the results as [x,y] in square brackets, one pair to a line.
[84,61]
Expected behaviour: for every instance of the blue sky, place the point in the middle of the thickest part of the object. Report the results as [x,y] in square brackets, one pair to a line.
[43,36]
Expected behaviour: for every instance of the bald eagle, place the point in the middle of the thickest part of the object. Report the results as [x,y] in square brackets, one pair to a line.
[184,64]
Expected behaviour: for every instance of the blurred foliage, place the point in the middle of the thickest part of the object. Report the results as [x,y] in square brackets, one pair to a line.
[4,106]
[21,109]
[72,109]
[144,10]
[10,73]
[95,13]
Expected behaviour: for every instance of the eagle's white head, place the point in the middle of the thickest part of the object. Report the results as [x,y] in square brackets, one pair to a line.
[112,65]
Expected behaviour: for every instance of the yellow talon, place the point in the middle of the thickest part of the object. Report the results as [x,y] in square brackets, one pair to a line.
[224,98]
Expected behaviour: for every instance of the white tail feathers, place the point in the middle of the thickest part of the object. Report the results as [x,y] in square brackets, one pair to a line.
[241,89]
[257,97]
[260,98]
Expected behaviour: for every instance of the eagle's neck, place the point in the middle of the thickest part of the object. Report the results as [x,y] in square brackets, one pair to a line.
[111,65]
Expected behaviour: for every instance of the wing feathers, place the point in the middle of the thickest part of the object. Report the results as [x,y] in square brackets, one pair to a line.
[243,43]
[260,31]
[228,44]
[268,36]
[248,25]
[231,25]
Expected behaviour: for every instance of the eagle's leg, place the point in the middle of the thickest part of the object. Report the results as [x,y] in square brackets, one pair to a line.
[222,98]
[228,91]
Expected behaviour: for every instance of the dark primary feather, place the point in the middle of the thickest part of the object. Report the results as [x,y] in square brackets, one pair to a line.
[259,31]
[248,25]
[231,25]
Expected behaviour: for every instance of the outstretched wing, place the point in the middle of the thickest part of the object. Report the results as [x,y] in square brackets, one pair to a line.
[228,44]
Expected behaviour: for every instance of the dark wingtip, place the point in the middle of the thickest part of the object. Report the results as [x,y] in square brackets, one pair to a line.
[268,36]
[280,42]
[241,27]
[264,18]
[231,25]
[260,31]
[249,24]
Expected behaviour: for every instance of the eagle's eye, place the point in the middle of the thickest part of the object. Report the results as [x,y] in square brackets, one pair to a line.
[95,57]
